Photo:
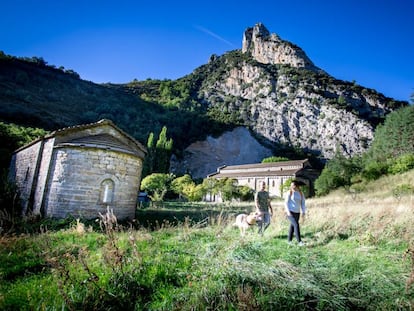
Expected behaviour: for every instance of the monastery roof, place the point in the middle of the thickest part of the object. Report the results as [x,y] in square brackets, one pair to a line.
[283,168]
[282,164]
[255,174]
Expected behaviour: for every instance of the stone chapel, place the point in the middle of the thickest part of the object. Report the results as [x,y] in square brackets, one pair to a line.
[80,171]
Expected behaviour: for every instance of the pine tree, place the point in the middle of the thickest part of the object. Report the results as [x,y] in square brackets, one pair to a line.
[395,137]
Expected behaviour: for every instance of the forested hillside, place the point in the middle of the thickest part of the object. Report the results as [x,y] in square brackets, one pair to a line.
[35,94]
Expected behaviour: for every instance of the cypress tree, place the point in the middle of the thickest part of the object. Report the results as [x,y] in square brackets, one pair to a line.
[149,159]
[163,150]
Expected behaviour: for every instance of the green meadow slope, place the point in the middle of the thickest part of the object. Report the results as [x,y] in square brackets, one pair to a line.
[359,255]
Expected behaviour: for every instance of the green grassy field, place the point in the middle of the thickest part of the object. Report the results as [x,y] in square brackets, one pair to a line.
[359,255]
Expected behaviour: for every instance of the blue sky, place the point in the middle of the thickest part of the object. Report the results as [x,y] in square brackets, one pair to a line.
[371,42]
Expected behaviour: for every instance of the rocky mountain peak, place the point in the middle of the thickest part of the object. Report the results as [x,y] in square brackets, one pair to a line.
[269,48]
[273,89]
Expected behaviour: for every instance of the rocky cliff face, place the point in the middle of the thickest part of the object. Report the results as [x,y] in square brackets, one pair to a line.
[234,147]
[273,88]
[298,113]
[268,48]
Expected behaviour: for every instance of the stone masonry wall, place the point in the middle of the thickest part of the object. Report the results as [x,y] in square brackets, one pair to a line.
[42,175]
[274,184]
[75,188]
[22,170]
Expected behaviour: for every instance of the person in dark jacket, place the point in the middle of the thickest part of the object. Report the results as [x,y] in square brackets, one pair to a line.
[263,208]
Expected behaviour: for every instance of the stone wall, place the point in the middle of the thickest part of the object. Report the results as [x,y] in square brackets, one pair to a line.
[274,184]
[42,175]
[22,171]
[77,184]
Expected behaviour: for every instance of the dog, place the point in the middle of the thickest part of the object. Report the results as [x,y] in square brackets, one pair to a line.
[244,221]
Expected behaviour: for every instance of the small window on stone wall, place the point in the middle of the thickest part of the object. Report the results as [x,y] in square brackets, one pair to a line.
[26,177]
[107,191]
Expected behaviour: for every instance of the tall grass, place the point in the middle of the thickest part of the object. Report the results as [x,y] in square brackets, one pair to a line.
[359,256]
[376,214]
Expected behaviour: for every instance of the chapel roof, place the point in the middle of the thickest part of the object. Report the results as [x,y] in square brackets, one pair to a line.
[99,140]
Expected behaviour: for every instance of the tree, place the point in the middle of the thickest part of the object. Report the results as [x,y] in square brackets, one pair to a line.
[338,172]
[159,153]
[193,192]
[180,184]
[227,188]
[395,137]
[163,150]
[245,193]
[210,186]
[274,159]
[286,186]
[157,185]
[14,136]
[393,141]
[150,158]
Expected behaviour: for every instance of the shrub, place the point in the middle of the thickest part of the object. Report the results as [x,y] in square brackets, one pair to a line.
[245,193]
[402,164]
[10,209]
[338,172]
[374,170]
[327,181]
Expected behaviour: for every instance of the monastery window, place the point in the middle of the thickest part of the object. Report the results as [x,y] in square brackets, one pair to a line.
[107,191]
[273,183]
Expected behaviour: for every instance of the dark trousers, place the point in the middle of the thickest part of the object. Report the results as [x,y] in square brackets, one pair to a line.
[294,227]
[264,223]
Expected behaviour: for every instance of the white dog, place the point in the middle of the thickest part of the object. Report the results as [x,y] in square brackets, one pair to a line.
[244,221]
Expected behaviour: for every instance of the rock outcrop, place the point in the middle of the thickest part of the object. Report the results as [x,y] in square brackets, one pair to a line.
[234,147]
[269,48]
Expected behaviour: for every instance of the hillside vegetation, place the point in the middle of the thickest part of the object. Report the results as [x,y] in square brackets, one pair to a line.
[34,94]
[359,255]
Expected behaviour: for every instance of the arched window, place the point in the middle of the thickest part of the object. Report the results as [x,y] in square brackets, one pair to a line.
[107,191]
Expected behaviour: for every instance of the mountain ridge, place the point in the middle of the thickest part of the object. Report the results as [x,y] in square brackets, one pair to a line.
[269,86]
